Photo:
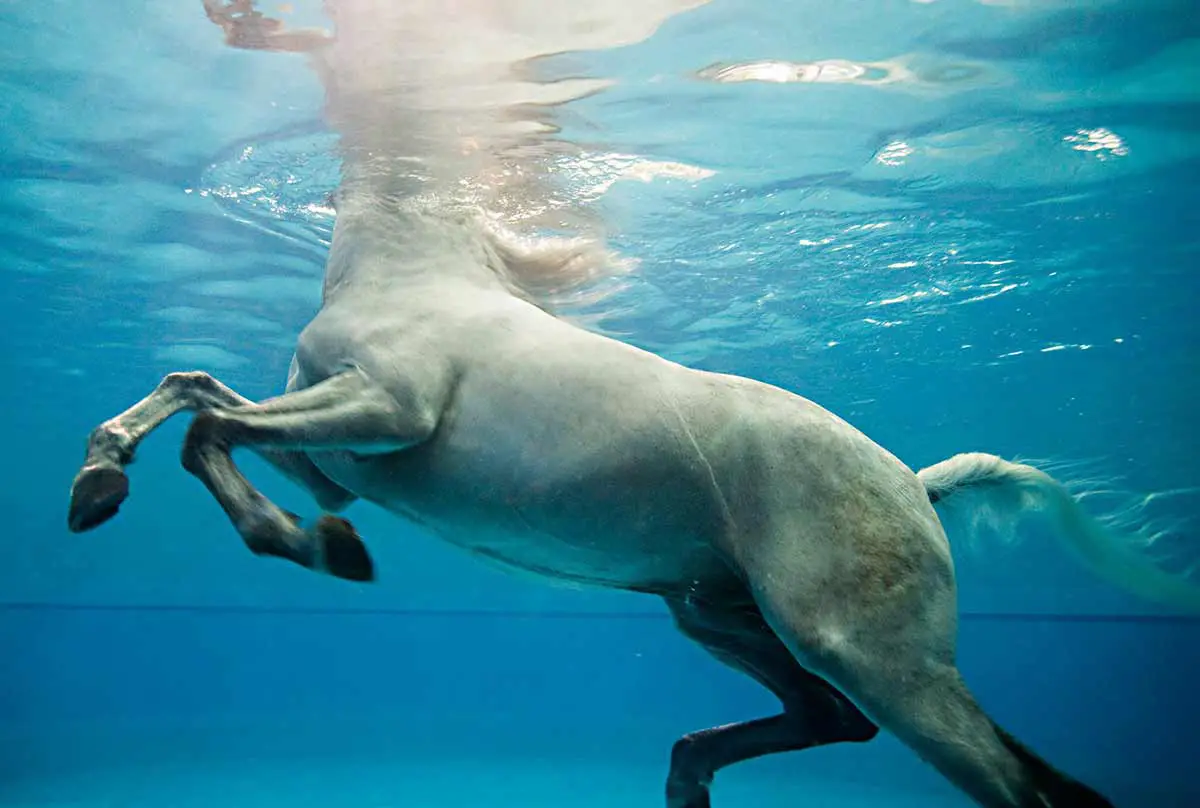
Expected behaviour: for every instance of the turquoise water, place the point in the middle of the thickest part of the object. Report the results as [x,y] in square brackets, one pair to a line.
[959,225]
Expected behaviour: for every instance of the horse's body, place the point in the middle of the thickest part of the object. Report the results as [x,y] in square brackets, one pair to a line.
[527,412]
[783,540]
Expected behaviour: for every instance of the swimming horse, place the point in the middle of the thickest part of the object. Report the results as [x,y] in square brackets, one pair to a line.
[783,540]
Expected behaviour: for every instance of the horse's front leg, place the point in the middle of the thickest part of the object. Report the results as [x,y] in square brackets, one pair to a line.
[101,485]
[345,412]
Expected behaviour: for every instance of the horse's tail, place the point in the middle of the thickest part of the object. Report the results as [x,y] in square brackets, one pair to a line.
[990,490]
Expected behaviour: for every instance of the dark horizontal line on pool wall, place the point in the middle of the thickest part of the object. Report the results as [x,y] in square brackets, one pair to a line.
[526,614]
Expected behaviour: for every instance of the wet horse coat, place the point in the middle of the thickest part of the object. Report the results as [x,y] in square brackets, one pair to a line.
[783,540]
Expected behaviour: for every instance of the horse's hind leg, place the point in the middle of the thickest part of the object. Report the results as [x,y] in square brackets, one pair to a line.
[101,485]
[814,714]
[878,623]
[344,412]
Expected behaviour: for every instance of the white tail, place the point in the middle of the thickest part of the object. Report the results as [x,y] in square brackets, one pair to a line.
[990,490]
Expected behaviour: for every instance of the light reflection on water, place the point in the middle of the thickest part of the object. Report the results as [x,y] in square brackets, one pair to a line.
[781,174]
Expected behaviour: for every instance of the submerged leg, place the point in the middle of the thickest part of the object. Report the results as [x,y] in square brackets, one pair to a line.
[101,485]
[879,625]
[814,714]
[348,412]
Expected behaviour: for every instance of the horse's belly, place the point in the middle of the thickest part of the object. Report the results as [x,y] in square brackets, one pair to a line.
[594,530]
[605,564]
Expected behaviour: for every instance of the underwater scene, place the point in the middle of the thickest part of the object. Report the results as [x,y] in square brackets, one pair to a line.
[638,403]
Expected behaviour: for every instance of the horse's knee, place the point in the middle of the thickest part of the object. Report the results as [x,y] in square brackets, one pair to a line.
[185,380]
[194,389]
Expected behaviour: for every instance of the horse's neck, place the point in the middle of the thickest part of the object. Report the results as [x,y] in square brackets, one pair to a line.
[381,249]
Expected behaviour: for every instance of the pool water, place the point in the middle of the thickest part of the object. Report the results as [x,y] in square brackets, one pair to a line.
[259,708]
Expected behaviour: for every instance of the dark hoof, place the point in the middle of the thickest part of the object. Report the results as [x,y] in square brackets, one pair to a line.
[96,497]
[696,798]
[687,793]
[345,554]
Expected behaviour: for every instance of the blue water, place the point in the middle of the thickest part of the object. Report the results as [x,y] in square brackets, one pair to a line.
[982,237]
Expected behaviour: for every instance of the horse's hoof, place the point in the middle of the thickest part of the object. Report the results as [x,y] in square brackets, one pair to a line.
[345,555]
[96,497]
[692,794]
[698,799]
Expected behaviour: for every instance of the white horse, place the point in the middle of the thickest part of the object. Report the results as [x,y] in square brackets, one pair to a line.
[782,539]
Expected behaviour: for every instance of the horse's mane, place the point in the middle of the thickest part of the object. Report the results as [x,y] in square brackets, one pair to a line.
[553,271]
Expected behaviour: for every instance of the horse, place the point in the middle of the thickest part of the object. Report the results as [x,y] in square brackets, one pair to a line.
[782,540]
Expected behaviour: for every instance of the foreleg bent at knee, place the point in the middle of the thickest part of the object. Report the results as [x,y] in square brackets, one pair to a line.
[101,485]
